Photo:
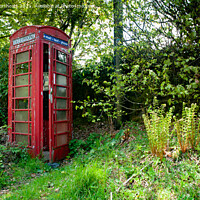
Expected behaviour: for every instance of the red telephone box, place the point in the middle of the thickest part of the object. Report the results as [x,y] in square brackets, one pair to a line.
[40,91]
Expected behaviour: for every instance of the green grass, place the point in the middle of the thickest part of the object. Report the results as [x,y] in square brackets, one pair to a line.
[17,167]
[79,182]
[100,171]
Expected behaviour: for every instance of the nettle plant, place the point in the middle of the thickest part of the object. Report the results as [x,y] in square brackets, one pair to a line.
[158,125]
[187,128]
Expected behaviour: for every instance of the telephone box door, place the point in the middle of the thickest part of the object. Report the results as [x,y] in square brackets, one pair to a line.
[60,96]
[20,98]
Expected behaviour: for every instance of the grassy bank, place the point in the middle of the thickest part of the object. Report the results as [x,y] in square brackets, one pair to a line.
[117,167]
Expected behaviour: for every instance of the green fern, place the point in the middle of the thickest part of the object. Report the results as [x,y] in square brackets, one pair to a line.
[158,130]
[187,128]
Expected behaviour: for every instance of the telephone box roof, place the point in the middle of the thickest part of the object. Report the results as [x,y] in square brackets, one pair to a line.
[38,27]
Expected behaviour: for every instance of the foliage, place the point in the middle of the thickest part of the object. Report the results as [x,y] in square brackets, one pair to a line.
[158,58]
[77,146]
[74,17]
[16,165]
[102,96]
[3,84]
[3,134]
[188,128]
[170,74]
[158,130]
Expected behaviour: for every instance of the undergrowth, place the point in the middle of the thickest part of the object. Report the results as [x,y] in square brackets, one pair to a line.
[16,166]
[117,168]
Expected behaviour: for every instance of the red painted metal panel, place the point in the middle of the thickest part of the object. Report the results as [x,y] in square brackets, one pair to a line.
[60,141]
[10,72]
[31,39]
[60,153]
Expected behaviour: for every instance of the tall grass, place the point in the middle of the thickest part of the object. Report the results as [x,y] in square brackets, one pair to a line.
[73,182]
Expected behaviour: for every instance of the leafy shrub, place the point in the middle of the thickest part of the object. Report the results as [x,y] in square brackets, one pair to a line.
[3,134]
[4,54]
[187,128]
[76,146]
[158,130]
[12,154]
[9,155]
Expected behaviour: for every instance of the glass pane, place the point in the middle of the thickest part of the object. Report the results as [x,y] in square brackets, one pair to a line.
[60,68]
[31,54]
[61,80]
[61,139]
[21,127]
[21,115]
[13,69]
[13,115]
[30,79]
[21,139]
[29,140]
[61,91]
[30,128]
[22,68]
[54,66]
[30,103]
[62,127]
[30,116]
[21,103]
[61,103]
[22,57]
[30,66]
[21,80]
[14,58]
[61,56]
[13,104]
[61,115]
[21,92]
[13,127]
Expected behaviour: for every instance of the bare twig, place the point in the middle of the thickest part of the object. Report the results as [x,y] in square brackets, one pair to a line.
[5,36]
[132,177]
